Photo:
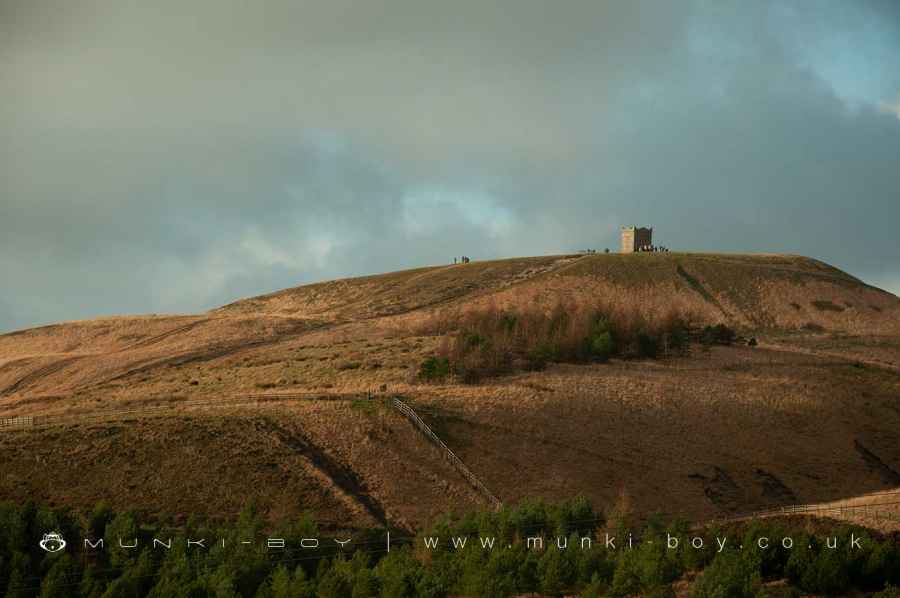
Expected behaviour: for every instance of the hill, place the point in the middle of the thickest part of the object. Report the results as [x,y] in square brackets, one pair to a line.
[808,415]
[775,291]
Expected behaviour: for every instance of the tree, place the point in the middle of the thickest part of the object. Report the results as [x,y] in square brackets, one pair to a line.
[99,519]
[284,584]
[627,577]
[121,531]
[18,569]
[335,581]
[13,528]
[556,571]
[397,574]
[61,580]
[91,585]
[729,576]
[136,580]
[365,584]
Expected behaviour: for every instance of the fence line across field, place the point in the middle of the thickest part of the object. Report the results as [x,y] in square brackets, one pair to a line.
[449,455]
[25,422]
[40,421]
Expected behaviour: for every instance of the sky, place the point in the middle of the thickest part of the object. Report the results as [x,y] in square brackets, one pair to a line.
[175,155]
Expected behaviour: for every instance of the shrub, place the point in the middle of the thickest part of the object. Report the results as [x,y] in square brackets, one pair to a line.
[601,340]
[538,357]
[824,305]
[595,589]
[677,338]
[720,334]
[728,575]
[818,570]
[648,345]
[491,341]
[434,368]
[883,564]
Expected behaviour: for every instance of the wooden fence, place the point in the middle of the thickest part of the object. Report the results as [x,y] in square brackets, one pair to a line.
[25,422]
[449,455]
[165,407]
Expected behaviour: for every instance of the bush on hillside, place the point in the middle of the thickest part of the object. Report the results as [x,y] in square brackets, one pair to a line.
[728,575]
[825,305]
[491,341]
[434,368]
[720,334]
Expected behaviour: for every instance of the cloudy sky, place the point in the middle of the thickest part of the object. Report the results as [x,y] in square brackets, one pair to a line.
[173,155]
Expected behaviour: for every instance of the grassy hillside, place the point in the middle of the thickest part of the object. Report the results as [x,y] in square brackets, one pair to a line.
[756,291]
[809,414]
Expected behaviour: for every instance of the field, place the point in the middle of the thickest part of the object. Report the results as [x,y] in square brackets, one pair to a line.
[807,415]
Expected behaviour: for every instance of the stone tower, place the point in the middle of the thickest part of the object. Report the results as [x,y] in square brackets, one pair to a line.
[635,237]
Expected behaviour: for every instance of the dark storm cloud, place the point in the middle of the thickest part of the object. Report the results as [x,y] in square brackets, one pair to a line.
[175,156]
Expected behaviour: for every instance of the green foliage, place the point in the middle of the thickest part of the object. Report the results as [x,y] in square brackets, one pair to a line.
[434,368]
[729,576]
[278,584]
[491,342]
[61,579]
[398,574]
[17,584]
[99,519]
[882,564]
[889,591]
[137,580]
[627,577]
[601,341]
[556,570]
[595,588]
[13,527]
[571,561]
[336,581]
[122,527]
[365,584]
[92,584]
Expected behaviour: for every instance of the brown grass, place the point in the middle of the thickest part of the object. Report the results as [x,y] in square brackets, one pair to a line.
[568,429]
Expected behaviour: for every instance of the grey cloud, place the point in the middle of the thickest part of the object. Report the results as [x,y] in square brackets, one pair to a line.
[176,156]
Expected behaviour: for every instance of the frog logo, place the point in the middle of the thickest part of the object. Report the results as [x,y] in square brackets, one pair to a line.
[53,542]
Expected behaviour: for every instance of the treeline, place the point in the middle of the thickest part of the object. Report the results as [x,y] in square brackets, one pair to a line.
[510,568]
[492,341]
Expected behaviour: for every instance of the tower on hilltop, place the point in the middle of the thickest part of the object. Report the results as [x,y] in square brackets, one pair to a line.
[633,238]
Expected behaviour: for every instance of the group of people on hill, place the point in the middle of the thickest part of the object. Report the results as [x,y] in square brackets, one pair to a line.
[652,249]
[462,260]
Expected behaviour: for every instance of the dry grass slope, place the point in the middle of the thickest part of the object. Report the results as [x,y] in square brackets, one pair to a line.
[712,433]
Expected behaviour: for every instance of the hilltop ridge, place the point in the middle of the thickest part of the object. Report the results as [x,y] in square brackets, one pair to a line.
[761,290]
[820,387]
